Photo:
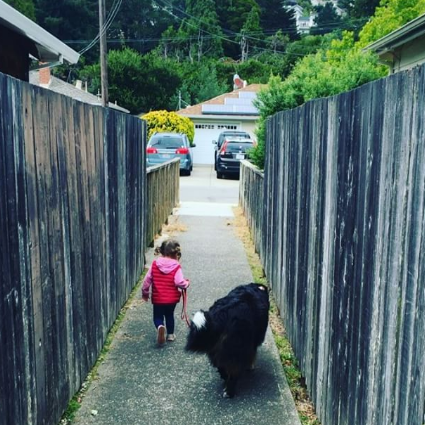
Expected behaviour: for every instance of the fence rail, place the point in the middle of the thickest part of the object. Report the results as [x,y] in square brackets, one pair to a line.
[72,224]
[163,195]
[343,247]
[251,199]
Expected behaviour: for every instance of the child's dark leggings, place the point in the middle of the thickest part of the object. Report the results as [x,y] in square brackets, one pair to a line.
[164,310]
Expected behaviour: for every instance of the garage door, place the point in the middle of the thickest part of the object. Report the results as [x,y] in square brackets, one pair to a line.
[205,133]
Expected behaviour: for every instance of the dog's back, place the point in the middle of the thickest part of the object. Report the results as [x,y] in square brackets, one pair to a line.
[231,330]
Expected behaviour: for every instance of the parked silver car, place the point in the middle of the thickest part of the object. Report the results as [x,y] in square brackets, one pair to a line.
[164,146]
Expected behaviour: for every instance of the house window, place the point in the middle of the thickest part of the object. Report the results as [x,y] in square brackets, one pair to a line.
[205,126]
[227,127]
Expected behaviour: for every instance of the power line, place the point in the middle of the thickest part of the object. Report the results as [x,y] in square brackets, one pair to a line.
[218,36]
[330,26]
[112,14]
[156,39]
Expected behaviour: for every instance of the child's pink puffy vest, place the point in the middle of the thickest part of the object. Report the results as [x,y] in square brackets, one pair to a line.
[164,291]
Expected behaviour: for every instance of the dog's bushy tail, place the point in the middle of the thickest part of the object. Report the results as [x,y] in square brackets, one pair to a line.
[199,337]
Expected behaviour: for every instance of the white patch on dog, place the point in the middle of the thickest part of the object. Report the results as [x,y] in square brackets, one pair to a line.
[199,320]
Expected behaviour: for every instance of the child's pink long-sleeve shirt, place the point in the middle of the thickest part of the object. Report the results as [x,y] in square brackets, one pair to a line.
[166,265]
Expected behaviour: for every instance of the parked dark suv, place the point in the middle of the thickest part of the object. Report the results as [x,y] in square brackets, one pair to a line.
[165,146]
[229,157]
[222,136]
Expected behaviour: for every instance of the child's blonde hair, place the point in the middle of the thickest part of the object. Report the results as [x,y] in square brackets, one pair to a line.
[169,248]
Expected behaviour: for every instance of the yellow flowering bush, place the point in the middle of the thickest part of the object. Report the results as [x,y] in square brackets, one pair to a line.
[163,121]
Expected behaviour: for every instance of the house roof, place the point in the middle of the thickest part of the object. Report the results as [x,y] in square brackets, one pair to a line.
[403,35]
[213,106]
[49,48]
[62,87]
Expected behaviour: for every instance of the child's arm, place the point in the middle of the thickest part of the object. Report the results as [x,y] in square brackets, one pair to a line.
[147,283]
[180,281]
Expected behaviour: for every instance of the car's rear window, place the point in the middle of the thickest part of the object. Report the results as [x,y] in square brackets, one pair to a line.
[232,147]
[167,142]
[244,135]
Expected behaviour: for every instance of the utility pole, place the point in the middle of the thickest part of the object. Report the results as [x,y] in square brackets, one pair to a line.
[103,62]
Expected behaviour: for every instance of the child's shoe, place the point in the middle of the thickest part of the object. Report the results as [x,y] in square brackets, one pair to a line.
[161,335]
[171,337]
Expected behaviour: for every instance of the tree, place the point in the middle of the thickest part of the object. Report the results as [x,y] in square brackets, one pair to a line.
[327,20]
[199,83]
[143,22]
[250,35]
[364,8]
[328,72]
[69,20]
[392,14]
[233,17]
[278,41]
[26,7]
[201,30]
[275,17]
[138,83]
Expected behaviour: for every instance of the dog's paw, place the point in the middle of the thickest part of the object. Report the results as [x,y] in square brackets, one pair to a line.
[225,394]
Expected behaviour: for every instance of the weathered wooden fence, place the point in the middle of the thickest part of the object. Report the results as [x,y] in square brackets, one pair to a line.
[72,226]
[163,195]
[343,246]
[251,199]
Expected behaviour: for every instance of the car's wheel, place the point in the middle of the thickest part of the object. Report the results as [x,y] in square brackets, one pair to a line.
[220,175]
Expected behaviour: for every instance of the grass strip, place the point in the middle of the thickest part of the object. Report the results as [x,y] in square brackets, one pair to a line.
[75,403]
[289,362]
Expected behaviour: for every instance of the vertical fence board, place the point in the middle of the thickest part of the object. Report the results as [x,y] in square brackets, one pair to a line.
[72,219]
[343,246]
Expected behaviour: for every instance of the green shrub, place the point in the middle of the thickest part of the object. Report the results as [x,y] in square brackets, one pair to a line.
[164,121]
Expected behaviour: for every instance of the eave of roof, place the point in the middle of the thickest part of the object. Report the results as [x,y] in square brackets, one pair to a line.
[220,117]
[48,46]
[406,33]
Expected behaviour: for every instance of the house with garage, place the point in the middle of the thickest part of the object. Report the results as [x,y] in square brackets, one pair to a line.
[229,111]
[403,48]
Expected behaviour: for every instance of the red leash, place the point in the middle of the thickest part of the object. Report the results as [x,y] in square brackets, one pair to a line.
[184,315]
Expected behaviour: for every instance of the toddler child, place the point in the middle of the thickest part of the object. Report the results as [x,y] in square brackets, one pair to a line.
[166,278]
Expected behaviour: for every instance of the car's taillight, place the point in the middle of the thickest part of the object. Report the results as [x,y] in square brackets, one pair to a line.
[223,148]
[182,151]
[151,150]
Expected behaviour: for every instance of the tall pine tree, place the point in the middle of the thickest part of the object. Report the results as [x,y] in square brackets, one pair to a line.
[202,30]
[327,20]
[275,17]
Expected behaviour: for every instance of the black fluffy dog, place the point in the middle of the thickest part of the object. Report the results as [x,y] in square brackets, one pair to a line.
[230,332]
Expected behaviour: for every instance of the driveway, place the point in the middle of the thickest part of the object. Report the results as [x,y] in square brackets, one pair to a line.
[202,194]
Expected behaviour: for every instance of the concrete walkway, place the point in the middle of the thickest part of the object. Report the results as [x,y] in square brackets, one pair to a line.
[140,383]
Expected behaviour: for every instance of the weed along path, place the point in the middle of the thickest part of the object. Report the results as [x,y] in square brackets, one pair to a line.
[140,383]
